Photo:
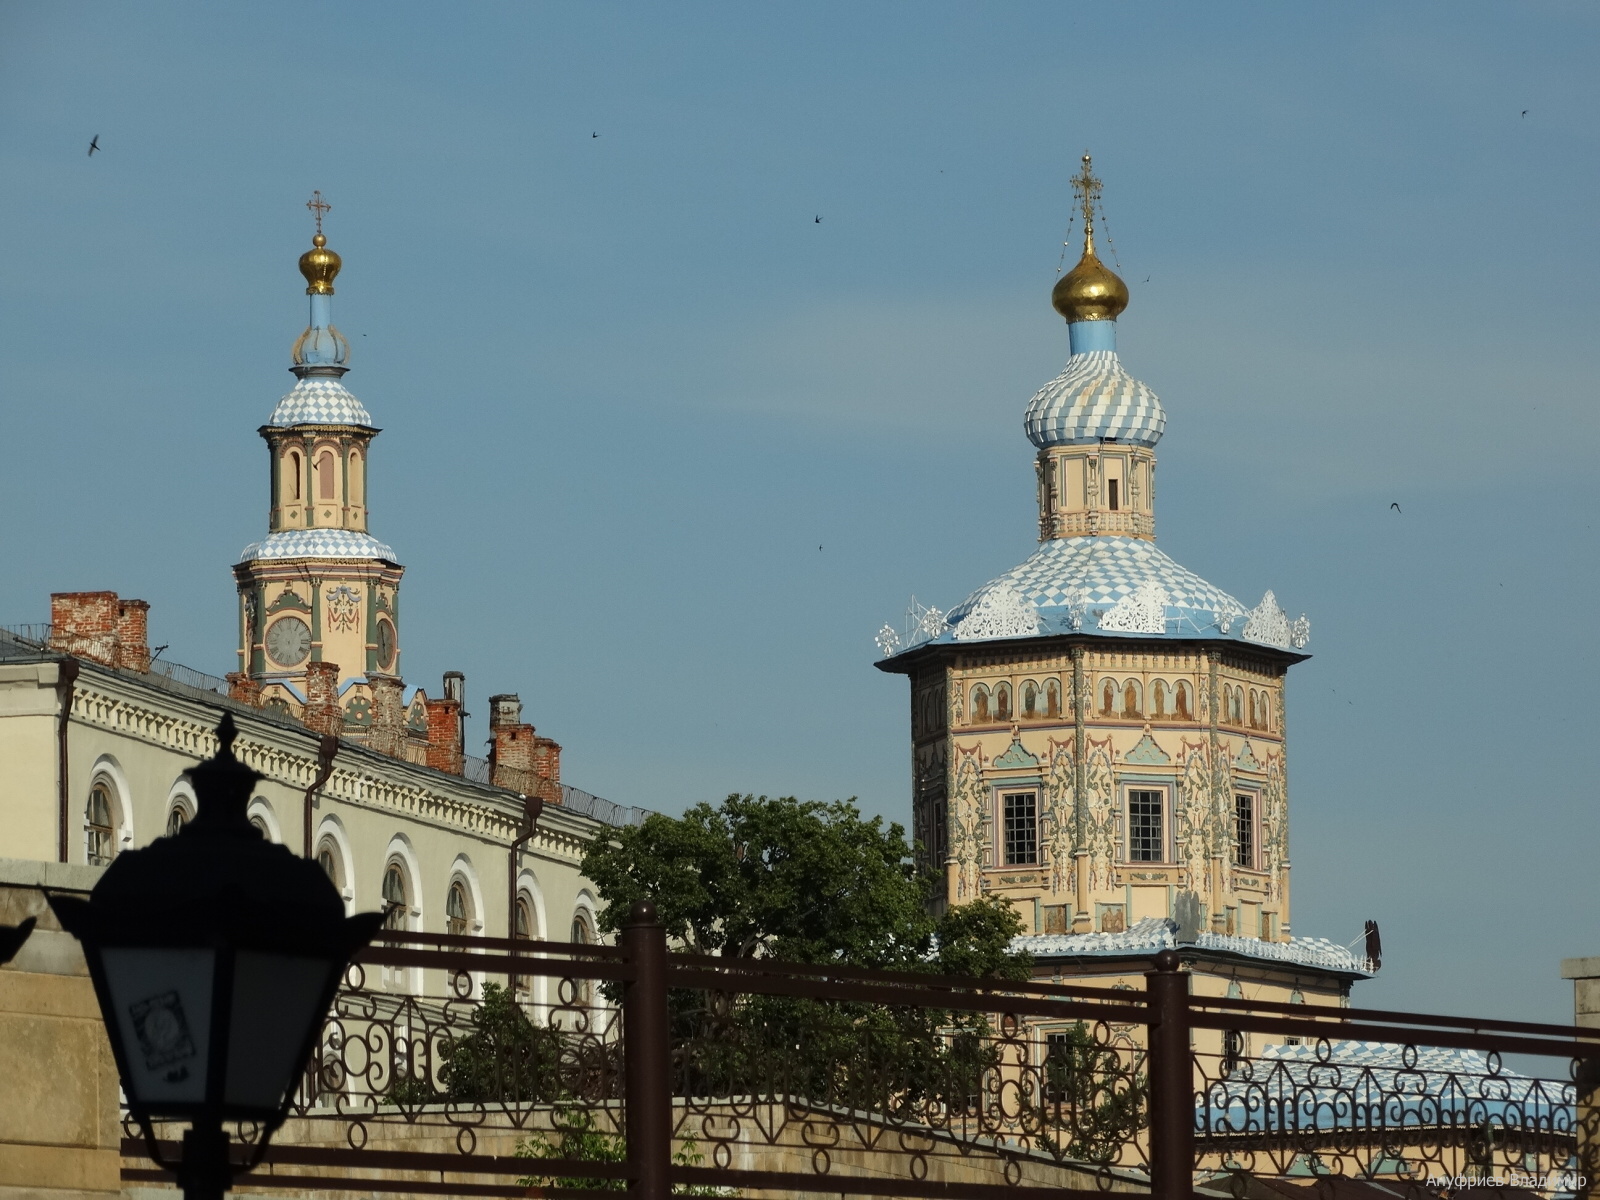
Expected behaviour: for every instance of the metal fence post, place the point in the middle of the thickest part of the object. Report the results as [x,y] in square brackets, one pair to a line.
[1171,1082]
[647,1055]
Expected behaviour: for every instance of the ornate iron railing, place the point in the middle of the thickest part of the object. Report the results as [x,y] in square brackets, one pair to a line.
[469,1066]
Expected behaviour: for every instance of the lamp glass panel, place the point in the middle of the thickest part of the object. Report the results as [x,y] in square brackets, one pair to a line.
[277,998]
[161,1001]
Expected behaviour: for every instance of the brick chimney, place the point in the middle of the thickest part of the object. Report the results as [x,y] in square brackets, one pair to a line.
[510,744]
[244,689]
[518,758]
[444,735]
[85,624]
[322,713]
[388,735]
[133,634]
[102,628]
[547,766]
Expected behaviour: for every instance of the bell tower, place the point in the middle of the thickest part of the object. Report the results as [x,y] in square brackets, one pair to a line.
[319,596]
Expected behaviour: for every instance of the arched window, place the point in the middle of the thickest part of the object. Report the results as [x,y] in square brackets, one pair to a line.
[328,860]
[1052,697]
[293,459]
[522,920]
[357,484]
[1002,702]
[1108,699]
[259,824]
[522,930]
[583,935]
[396,904]
[457,910]
[980,705]
[177,819]
[1181,702]
[325,475]
[1130,699]
[1158,698]
[101,833]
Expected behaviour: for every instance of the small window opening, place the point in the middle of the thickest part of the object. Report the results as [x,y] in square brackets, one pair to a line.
[1146,826]
[1244,825]
[395,904]
[1111,494]
[1020,813]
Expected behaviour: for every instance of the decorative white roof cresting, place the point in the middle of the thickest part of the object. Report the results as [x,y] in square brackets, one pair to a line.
[1094,398]
[998,610]
[317,543]
[1161,933]
[318,400]
[1270,625]
[1143,612]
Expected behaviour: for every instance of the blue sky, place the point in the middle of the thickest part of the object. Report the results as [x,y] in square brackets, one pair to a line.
[630,385]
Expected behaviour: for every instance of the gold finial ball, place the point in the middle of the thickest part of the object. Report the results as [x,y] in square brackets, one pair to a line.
[1091,291]
[320,265]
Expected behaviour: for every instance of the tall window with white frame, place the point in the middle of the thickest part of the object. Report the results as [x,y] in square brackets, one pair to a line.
[1147,825]
[456,921]
[1244,829]
[1019,820]
[583,934]
[100,833]
[522,930]
[396,905]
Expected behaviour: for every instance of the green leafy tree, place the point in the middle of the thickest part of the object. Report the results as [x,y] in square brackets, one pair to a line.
[1092,1098]
[576,1135]
[813,883]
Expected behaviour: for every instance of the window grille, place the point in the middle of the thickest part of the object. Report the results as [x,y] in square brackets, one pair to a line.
[1244,826]
[1020,812]
[101,841]
[1146,826]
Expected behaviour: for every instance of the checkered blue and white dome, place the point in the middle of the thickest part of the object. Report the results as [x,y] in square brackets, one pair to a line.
[317,543]
[319,400]
[1076,584]
[1094,399]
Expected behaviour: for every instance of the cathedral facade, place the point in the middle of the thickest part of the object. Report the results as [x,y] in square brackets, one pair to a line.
[1098,734]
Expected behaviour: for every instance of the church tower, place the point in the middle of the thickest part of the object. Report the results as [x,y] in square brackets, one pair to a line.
[319,596]
[1098,734]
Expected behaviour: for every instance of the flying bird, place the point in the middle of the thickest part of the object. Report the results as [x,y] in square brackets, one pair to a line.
[594,135]
[1524,112]
[1395,505]
[1147,279]
[819,220]
[94,145]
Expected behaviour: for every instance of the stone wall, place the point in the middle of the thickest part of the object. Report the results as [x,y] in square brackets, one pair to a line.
[59,1131]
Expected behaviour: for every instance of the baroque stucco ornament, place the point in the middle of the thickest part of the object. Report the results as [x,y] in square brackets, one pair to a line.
[1142,611]
[1270,625]
[999,611]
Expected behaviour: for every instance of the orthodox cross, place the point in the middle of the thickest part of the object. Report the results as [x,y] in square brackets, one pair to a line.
[319,206]
[1087,189]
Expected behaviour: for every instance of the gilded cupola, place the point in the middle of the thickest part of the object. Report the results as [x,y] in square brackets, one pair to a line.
[1091,291]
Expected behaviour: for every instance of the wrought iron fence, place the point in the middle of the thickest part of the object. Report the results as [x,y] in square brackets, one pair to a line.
[482,1067]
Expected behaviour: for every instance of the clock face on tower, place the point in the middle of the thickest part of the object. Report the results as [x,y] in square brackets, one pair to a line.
[385,644]
[288,641]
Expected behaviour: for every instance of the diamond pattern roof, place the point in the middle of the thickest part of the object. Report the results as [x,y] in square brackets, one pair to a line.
[1090,574]
[317,543]
[1094,398]
[318,400]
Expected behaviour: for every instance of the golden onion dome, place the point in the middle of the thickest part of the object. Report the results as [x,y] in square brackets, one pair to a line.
[320,265]
[1091,291]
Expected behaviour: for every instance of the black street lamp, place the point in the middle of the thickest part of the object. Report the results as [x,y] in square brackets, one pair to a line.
[215,955]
